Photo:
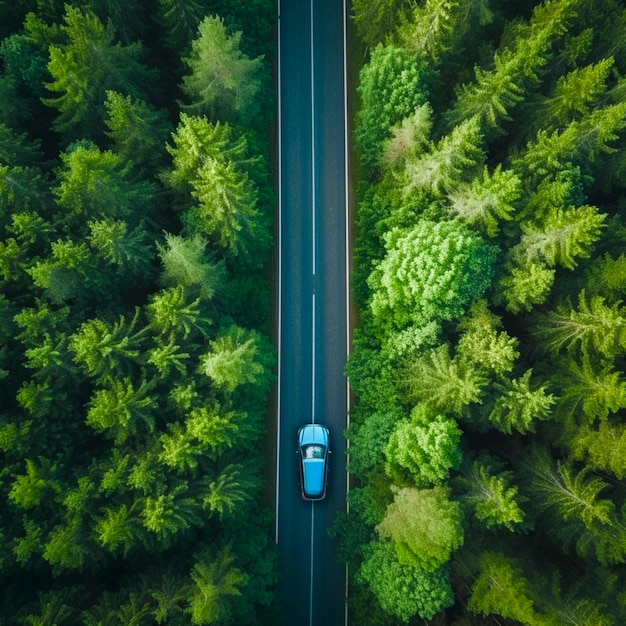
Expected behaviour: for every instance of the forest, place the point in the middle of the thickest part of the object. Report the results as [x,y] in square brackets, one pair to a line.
[488,432]
[136,211]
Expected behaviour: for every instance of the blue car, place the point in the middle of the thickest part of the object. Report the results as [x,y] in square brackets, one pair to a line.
[313,452]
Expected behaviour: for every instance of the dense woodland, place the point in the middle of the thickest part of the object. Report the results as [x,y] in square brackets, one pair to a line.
[136,213]
[488,439]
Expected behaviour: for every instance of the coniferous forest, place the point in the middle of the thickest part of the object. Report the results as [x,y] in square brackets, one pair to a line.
[488,433]
[136,211]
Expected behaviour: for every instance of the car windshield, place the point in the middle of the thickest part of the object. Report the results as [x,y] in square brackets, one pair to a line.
[313,451]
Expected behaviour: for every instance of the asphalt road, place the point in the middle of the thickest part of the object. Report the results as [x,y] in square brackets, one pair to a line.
[313,320]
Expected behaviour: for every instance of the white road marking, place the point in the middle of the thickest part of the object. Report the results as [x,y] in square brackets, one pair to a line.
[312,546]
[280,277]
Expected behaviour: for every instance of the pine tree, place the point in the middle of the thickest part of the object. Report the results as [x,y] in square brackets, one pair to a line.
[494,500]
[138,130]
[591,327]
[590,389]
[564,236]
[122,410]
[445,384]
[502,589]
[105,350]
[393,77]
[517,68]
[573,495]
[445,165]
[576,94]
[224,82]
[487,199]
[525,286]
[233,359]
[517,406]
[87,66]
[186,264]
[216,582]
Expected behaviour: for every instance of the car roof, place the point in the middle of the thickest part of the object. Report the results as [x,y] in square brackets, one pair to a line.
[314,477]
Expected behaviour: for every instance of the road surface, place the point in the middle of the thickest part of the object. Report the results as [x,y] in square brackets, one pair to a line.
[313,303]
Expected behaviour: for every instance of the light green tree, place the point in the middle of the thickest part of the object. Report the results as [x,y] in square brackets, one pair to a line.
[590,388]
[564,236]
[106,349]
[122,410]
[424,525]
[446,384]
[518,406]
[217,583]
[576,94]
[223,82]
[186,264]
[502,589]
[427,446]
[580,143]
[496,91]
[522,287]
[592,326]
[394,78]
[408,138]
[602,448]
[235,359]
[494,500]
[573,495]
[404,590]
[430,272]
[487,199]
[95,184]
[448,161]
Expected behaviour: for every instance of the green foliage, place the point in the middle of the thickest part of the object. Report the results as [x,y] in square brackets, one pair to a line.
[444,166]
[431,272]
[565,235]
[375,20]
[593,389]
[501,589]
[525,286]
[223,82]
[210,179]
[119,452]
[517,67]
[495,502]
[443,383]
[234,359]
[215,582]
[391,87]
[518,406]
[187,264]
[138,130]
[85,67]
[592,327]
[427,446]
[571,494]
[486,199]
[529,154]
[404,590]
[424,525]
